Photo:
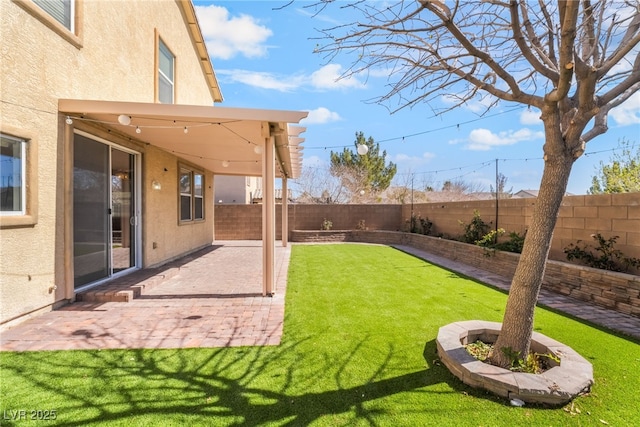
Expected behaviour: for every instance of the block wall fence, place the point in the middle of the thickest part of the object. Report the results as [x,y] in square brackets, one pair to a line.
[579,218]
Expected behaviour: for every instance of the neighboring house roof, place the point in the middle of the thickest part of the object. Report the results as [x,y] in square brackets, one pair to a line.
[526,193]
[220,139]
[201,48]
[257,196]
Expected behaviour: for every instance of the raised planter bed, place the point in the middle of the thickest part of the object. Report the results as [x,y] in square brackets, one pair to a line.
[556,386]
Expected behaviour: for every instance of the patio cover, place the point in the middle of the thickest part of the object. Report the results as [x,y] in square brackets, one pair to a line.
[219,139]
[226,141]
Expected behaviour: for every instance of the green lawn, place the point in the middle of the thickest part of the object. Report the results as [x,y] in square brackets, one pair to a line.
[358,349]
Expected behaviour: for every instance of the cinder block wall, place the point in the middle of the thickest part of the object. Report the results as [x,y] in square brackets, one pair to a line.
[346,217]
[579,218]
[244,222]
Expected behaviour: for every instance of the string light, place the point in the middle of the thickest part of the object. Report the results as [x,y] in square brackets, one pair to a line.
[225,163]
[124,120]
[138,130]
[68,120]
[186,130]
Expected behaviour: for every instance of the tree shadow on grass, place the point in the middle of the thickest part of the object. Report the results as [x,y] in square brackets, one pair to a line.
[243,386]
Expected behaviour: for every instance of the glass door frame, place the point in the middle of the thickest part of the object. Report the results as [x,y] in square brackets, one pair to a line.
[137,209]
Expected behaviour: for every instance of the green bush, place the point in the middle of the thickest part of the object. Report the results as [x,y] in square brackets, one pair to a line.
[604,256]
[420,225]
[474,231]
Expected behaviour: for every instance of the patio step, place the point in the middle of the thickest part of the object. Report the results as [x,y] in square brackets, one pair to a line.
[126,288]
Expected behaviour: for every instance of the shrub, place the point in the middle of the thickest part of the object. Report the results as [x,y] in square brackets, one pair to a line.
[420,225]
[604,256]
[326,224]
[514,244]
[475,230]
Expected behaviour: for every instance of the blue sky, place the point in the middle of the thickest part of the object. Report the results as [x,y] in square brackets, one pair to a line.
[264,58]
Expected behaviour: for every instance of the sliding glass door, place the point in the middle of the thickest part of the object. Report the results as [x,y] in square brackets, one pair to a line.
[104,210]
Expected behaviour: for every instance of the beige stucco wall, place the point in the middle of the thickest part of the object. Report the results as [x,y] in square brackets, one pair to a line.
[235,189]
[112,58]
[160,211]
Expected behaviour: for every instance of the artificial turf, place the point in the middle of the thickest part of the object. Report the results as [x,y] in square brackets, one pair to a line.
[358,349]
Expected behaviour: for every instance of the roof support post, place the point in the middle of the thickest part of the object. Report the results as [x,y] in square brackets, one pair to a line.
[285,212]
[68,159]
[268,216]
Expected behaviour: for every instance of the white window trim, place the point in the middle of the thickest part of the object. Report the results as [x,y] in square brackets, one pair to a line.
[23,178]
[161,45]
[192,195]
[72,14]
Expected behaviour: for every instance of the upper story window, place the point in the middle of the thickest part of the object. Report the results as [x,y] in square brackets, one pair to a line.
[60,10]
[12,170]
[166,71]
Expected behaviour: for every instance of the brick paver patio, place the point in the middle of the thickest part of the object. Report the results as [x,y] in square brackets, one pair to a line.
[213,298]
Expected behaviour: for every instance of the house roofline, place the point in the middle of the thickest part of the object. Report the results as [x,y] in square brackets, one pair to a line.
[189,14]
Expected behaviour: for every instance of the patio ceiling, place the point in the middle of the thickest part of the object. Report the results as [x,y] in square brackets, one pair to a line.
[227,141]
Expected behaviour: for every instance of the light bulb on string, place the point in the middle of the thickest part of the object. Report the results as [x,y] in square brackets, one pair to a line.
[225,163]
[124,120]
[138,130]
[257,149]
[186,130]
[68,120]
[362,149]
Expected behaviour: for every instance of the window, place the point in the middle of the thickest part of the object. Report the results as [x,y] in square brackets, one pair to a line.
[191,195]
[60,10]
[13,171]
[198,196]
[166,67]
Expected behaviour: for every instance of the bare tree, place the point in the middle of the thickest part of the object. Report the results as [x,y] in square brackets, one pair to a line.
[574,60]
[461,186]
[501,185]
[318,185]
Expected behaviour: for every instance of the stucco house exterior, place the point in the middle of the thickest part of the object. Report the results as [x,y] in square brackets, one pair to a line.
[110,142]
[236,190]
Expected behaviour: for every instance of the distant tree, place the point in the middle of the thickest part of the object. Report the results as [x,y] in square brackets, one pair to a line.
[363,174]
[318,185]
[572,60]
[461,186]
[502,185]
[621,175]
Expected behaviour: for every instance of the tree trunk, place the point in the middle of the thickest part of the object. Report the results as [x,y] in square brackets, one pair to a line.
[517,325]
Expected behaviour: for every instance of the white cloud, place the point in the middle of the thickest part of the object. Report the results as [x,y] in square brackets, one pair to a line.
[629,112]
[478,105]
[329,77]
[262,80]
[321,115]
[530,116]
[326,78]
[313,161]
[227,36]
[406,161]
[484,139]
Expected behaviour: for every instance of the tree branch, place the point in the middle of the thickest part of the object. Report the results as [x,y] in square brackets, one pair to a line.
[519,38]
[569,19]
